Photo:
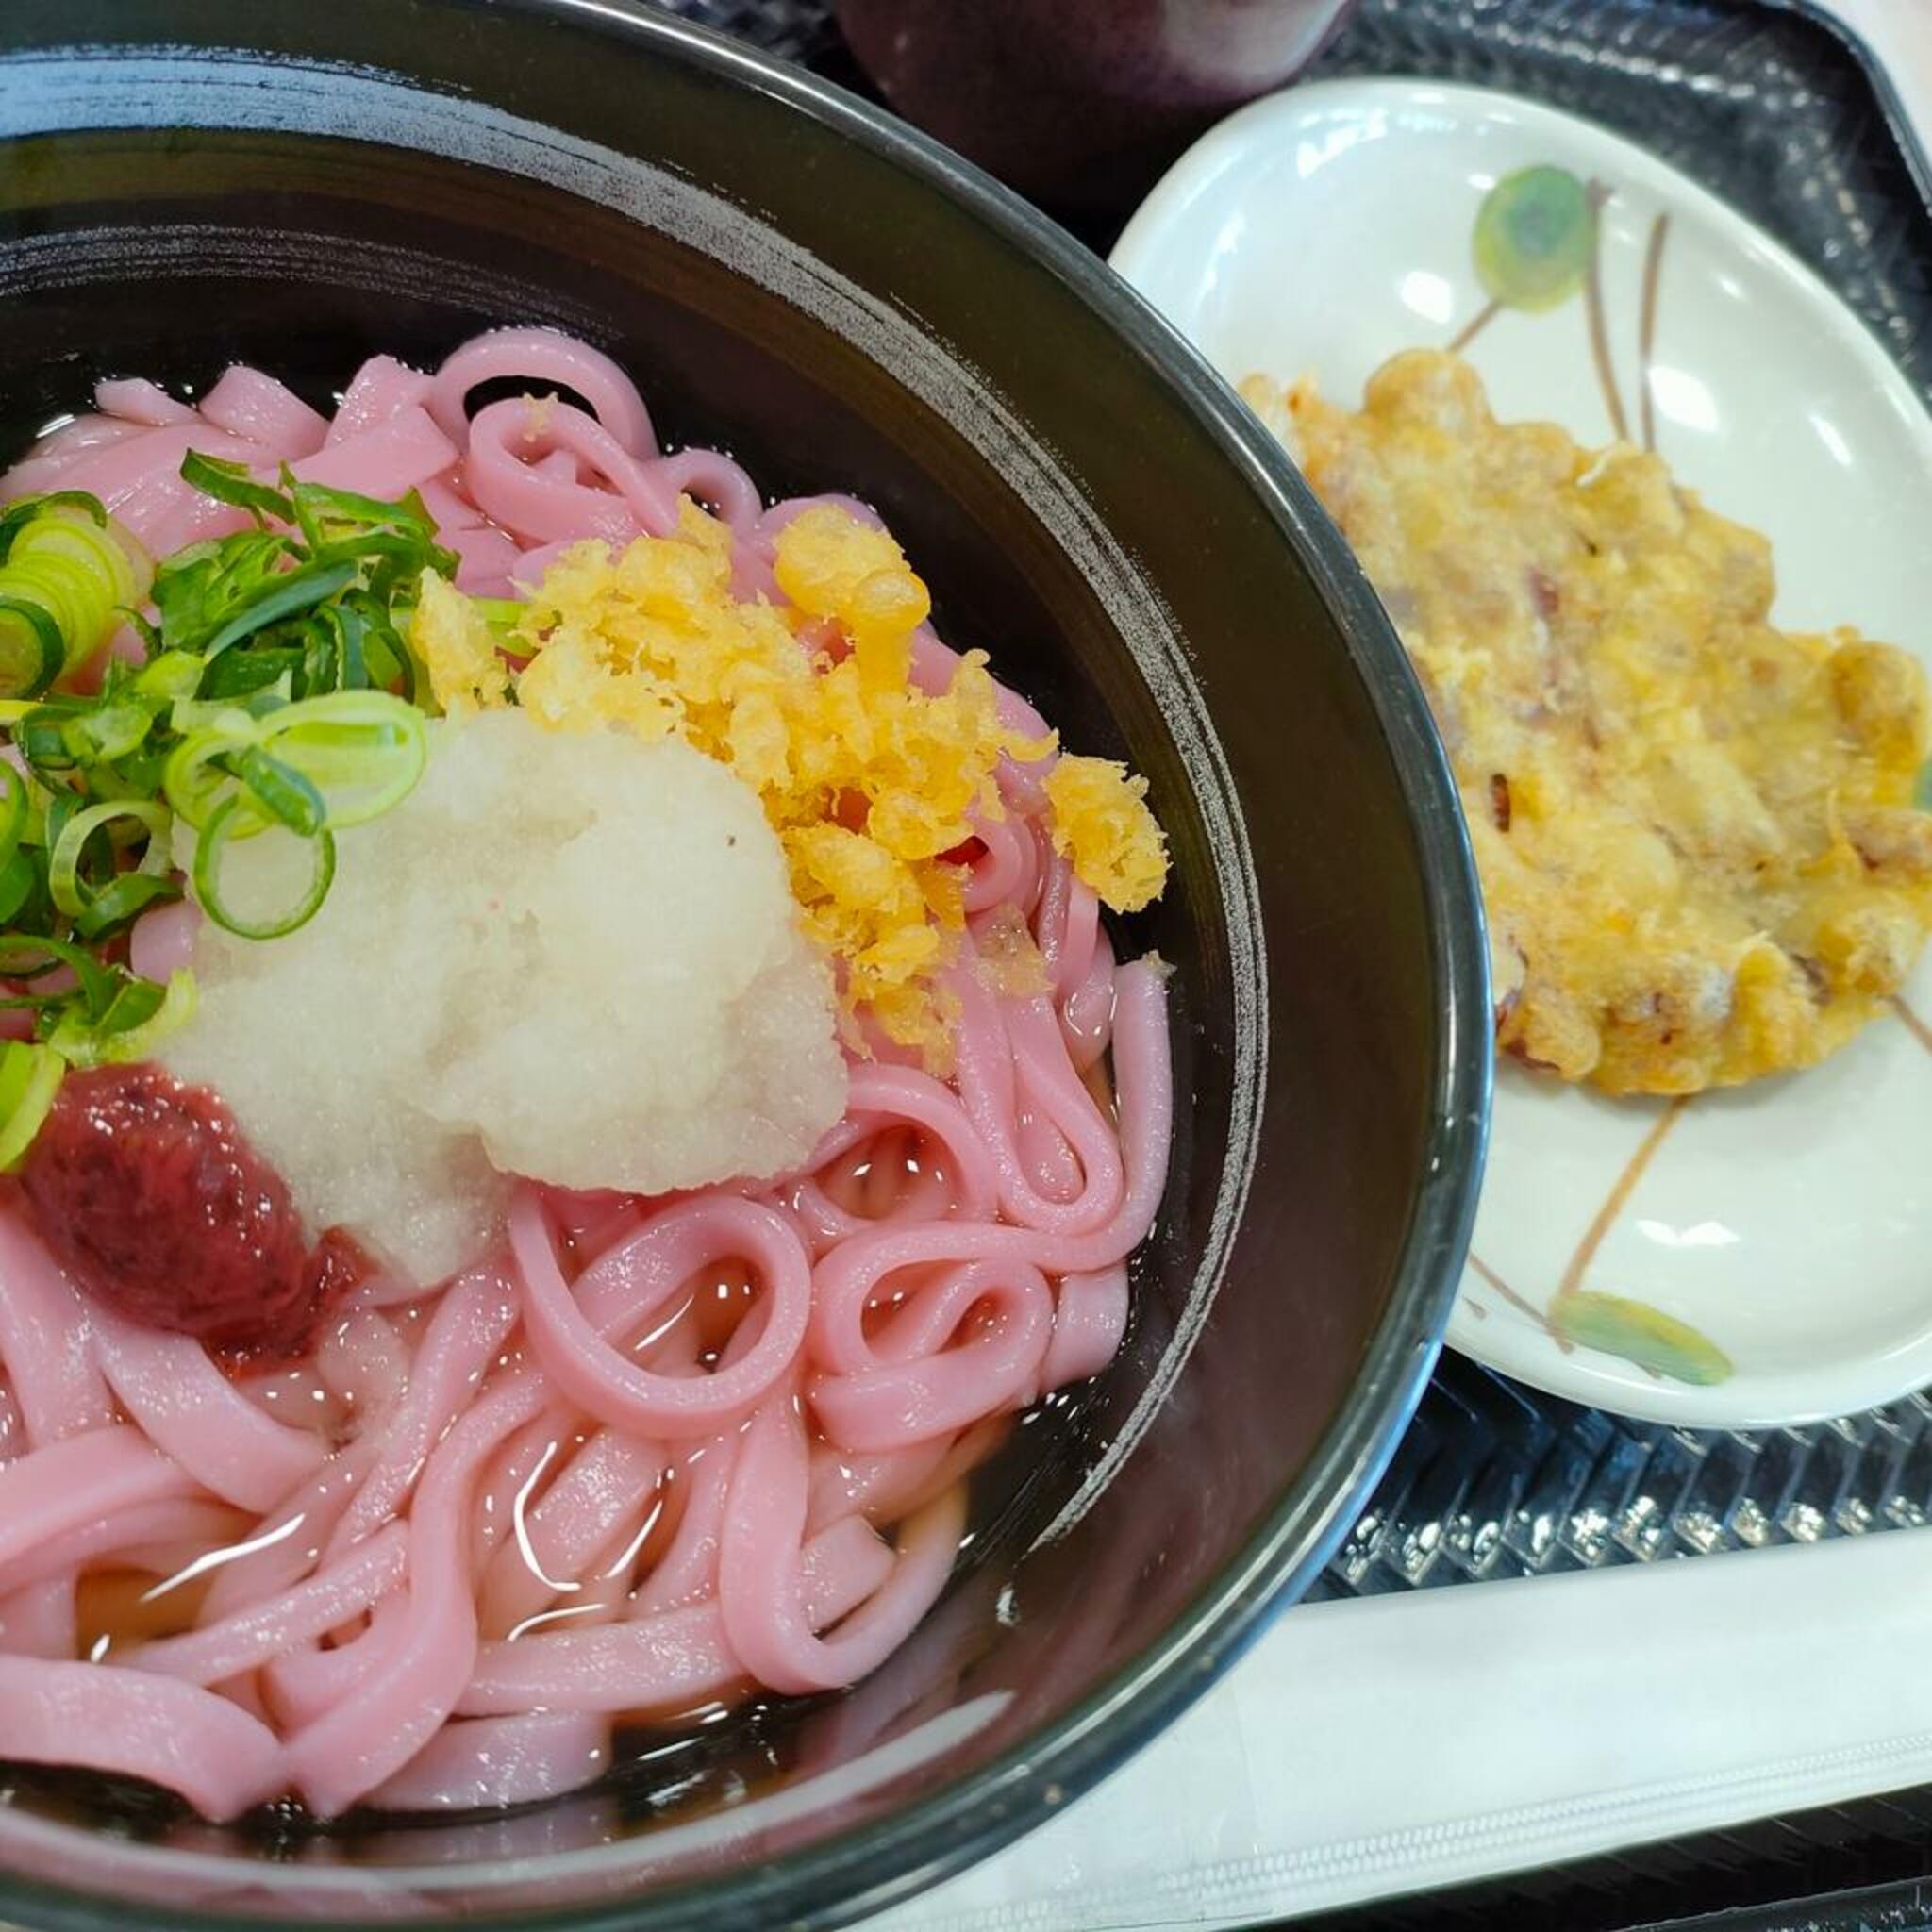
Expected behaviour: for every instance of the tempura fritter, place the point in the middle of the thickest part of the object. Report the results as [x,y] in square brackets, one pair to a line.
[1694,831]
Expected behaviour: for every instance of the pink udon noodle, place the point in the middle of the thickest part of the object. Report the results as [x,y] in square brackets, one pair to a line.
[651,1455]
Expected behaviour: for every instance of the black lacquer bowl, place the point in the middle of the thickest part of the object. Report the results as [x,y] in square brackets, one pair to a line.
[791,274]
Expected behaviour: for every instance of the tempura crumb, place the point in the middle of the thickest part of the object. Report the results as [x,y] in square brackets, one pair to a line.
[872,782]
[1101,822]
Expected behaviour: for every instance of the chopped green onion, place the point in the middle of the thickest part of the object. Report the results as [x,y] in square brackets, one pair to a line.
[230,820]
[277,700]
[172,676]
[19,876]
[140,1016]
[349,632]
[31,1076]
[245,676]
[279,791]
[86,537]
[64,883]
[31,956]
[62,586]
[60,806]
[41,738]
[231,483]
[192,780]
[199,590]
[335,760]
[348,739]
[334,514]
[15,808]
[17,516]
[31,651]
[298,590]
[109,731]
[121,901]
[60,556]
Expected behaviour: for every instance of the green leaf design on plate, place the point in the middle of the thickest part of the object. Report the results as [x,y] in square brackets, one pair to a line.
[1640,1334]
[1535,238]
[1922,791]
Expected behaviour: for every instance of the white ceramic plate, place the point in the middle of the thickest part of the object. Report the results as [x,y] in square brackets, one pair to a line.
[1788,1224]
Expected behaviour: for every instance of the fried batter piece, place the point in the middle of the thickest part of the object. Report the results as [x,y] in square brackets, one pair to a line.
[1695,832]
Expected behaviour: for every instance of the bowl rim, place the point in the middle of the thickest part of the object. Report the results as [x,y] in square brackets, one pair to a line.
[865,1868]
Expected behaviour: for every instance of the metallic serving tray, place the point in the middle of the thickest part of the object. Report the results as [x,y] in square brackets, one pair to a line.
[1778,112]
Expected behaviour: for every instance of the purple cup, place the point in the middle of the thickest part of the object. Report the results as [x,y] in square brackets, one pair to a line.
[1080,103]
